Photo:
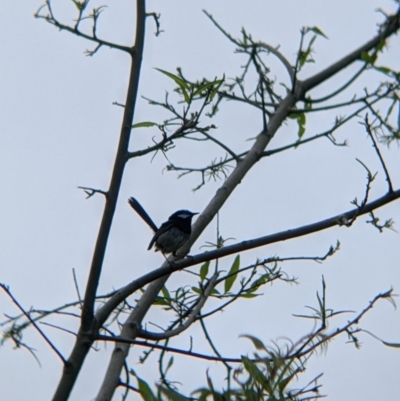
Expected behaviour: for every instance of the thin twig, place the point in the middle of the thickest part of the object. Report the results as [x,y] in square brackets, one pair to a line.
[91,191]
[50,18]
[369,131]
[76,286]
[102,337]
[229,151]
[296,68]
[52,346]
[343,329]
[391,26]
[59,328]
[156,18]
[213,347]
[281,57]
[342,88]
[190,319]
[128,386]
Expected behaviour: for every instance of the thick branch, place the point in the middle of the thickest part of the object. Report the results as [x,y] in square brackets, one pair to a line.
[338,220]
[391,26]
[132,326]
[88,329]
[116,178]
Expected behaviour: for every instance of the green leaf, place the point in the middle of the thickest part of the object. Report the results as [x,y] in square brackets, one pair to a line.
[232,274]
[213,87]
[257,343]
[145,391]
[318,31]
[394,345]
[204,393]
[283,381]
[180,82]
[78,4]
[170,363]
[196,290]
[203,88]
[244,37]
[388,344]
[161,301]
[256,374]
[249,295]
[217,87]
[301,122]
[216,396]
[370,59]
[302,58]
[381,45]
[384,70]
[172,395]
[144,124]
[309,49]
[308,103]
[259,282]
[204,270]
[165,292]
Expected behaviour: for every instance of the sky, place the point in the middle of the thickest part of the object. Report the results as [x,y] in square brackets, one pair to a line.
[59,130]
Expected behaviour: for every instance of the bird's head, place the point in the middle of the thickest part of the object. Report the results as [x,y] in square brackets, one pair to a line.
[182,215]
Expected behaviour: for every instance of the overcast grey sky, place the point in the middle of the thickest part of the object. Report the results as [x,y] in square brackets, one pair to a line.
[59,130]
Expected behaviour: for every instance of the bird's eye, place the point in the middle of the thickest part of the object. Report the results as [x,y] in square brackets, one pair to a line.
[184,215]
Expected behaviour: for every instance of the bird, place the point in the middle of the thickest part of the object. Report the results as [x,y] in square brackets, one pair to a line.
[173,233]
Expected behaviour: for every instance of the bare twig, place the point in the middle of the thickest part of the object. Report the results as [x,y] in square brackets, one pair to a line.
[229,151]
[296,68]
[360,206]
[52,346]
[50,18]
[281,57]
[156,18]
[128,386]
[344,329]
[77,287]
[369,131]
[212,345]
[342,88]
[91,191]
[59,328]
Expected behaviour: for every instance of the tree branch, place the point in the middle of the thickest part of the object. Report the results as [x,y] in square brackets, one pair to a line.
[89,326]
[338,220]
[188,322]
[50,18]
[391,26]
[52,346]
[374,144]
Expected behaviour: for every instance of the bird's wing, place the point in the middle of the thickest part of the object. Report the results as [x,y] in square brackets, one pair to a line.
[164,228]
